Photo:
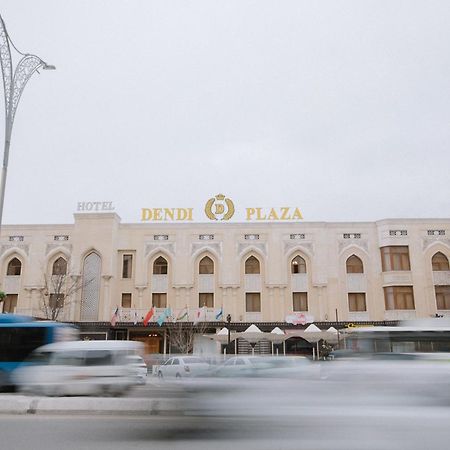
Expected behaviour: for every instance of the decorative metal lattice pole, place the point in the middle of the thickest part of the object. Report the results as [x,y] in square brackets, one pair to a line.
[14,82]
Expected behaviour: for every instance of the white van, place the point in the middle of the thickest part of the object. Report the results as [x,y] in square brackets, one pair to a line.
[79,368]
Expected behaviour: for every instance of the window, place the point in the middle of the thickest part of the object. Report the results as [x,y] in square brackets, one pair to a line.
[252,266]
[56,301]
[159,300]
[354,265]
[206,266]
[14,267]
[300,301]
[439,262]
[357,301]
[18,342]
[442,297]
[399,297]
[10,303]
[395,258]
[160,266]
[298,265]
[59,266]
[206,300]
[126,300]
[99,358]
[253,302]
[127,266]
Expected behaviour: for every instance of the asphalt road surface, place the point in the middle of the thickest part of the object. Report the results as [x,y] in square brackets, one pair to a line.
[332,428]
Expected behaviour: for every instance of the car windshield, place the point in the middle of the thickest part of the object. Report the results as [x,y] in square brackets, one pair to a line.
[194,361]
[39,358]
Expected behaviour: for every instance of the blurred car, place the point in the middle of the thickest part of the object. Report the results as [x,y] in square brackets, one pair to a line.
[183,366]
[79,368]
[137,363]
[296,367]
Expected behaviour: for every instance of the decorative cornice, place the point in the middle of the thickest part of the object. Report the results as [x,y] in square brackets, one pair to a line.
[243,246]
[166,246]
[429,241]
[363,244]
[297,244]
[24,247]
[60,244]
[205,246]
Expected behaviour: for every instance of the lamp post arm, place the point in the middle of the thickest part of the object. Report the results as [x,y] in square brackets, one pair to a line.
[6,63]
[24,70]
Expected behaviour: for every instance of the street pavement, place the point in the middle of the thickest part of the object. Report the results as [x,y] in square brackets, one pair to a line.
[341,429]
[153,416]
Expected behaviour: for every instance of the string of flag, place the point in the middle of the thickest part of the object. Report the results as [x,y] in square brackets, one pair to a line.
[162,315]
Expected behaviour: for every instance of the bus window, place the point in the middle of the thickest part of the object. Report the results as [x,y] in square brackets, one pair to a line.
[16,343]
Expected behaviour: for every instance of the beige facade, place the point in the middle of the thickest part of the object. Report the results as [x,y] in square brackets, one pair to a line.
[98,245]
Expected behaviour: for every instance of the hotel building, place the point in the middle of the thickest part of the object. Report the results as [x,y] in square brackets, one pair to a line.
[270,274]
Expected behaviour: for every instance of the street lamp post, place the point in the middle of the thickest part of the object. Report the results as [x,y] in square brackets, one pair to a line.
[229,331]
[14,81]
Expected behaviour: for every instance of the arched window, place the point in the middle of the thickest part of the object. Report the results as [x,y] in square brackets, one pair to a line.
[91,282]
[298,265]
[160,266]
[439,262]
[206,266]
[354,265]
[59,267]
[14,267]
[252,265]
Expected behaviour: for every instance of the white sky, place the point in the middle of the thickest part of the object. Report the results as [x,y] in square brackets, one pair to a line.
[341,108]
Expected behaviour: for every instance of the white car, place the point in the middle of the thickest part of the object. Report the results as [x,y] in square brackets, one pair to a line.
[295,367]
[183,366]
[137,363]
[79,368]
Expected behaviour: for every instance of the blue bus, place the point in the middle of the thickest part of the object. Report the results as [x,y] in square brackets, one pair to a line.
[20,335]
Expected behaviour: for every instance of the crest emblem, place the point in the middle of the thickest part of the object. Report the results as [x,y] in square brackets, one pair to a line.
[219,208]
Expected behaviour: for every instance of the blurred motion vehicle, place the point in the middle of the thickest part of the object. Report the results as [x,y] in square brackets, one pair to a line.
[137,363]
[297,367]
[390,378]
[20,335]
[413,336]
[80,368]
[183,366]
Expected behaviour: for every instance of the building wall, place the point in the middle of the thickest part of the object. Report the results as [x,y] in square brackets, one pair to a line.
[324,246]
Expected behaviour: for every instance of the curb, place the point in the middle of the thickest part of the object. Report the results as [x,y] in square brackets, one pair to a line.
[82,405]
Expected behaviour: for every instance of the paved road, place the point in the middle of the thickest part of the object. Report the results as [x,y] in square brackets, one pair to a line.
[311,429]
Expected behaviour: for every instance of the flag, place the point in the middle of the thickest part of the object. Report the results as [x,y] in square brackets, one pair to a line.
[198,315]
[148,316]
[163,316]
[115,317]
[183,314]
[219,313]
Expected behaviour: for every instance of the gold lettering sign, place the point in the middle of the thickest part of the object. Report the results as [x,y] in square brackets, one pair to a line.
[270,214]
[221,208]
[166,214]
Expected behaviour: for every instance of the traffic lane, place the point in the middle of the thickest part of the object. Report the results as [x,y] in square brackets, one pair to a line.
[319,429]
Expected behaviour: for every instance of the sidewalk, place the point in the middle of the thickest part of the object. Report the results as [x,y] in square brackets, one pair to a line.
[24,404]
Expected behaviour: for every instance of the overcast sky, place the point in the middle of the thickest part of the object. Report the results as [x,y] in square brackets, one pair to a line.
[340,108]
